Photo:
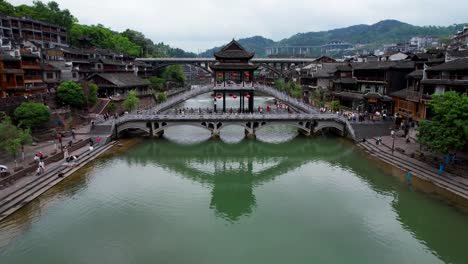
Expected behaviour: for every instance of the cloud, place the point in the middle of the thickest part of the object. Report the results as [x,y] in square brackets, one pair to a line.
[201,24]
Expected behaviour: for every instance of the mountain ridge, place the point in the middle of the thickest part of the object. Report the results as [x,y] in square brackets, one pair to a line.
[383,32]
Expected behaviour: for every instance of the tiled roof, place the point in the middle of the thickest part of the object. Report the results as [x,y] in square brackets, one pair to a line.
[400,93]
[418,74]
[456,65]
[346,81]
[111,62]
[357,96]
[122,79]
[458,53]
[327,70]
[6,57]
[233,50]
[383,65]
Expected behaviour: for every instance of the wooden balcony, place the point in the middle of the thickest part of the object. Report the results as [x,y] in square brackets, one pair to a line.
[426,97]
[33,77]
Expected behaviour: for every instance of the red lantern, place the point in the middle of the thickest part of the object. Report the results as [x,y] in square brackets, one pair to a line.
[220,75]
[247,96]
[219,96]
[247,74]
[234,74]
[234,96]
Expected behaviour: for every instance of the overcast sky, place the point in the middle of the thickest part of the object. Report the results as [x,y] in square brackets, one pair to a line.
[196,25]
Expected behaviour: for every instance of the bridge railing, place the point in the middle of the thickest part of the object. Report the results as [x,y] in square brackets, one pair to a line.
[285,98]
[177,99]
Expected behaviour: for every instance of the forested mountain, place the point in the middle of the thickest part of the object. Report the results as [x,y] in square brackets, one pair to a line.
[130,41]
[383,32]
[256,44]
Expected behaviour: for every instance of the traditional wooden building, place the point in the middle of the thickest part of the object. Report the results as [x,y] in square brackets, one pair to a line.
[234,74]
[11,76]
[117,85]
[377,80]
[33,73]
[423,84]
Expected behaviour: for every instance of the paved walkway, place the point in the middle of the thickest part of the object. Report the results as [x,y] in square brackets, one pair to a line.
[409,148]
[20,183]
[46,147]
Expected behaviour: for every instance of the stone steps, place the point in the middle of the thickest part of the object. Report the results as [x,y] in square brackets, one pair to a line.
[35,188]
[417,170]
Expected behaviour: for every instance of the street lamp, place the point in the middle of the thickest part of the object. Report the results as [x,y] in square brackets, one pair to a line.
[393,137]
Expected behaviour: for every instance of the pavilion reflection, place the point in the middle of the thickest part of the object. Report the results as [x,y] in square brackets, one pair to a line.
[232,170]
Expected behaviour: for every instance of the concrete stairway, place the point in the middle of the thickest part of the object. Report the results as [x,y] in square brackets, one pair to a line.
[445,180]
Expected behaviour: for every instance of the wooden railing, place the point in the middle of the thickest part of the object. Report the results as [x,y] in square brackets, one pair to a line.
[33,77]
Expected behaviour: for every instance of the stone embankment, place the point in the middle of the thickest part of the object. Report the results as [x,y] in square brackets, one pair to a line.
[448,185]
[15,197]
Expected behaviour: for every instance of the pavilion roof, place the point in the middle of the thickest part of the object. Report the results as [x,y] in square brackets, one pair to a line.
[234,50]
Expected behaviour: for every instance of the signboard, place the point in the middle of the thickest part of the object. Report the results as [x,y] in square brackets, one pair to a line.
[372,100]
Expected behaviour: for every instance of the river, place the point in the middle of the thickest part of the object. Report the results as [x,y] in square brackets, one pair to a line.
[279,199]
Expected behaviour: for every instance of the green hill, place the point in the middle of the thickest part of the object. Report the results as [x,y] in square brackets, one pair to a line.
[383,32]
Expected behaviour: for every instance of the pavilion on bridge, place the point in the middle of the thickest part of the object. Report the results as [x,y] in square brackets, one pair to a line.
[234,75]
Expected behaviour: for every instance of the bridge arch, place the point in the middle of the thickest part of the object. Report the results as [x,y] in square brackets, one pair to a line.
[338,126]
[162,128]
[133,126]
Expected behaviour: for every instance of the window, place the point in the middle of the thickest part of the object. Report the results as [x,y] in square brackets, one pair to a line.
[439,90]
[74,75]
[50,75]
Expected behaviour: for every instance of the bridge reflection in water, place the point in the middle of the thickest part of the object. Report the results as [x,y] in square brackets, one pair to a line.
[233,170]
[245,184]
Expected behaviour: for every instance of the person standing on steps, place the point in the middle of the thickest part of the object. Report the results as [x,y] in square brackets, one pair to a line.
[42,166]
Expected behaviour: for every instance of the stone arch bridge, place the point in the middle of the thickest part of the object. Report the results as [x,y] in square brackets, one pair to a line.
[307,124]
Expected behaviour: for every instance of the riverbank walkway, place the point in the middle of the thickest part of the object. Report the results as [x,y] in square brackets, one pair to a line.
[29,187]
[447,181]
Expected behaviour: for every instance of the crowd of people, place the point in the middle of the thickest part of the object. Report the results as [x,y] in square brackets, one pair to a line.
[358,116]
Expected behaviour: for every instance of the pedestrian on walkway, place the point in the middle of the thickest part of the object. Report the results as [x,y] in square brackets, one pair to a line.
[73,134]
[65,153]
[98,140]
[42,166]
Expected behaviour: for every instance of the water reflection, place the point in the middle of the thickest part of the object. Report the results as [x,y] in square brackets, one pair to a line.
[232,170]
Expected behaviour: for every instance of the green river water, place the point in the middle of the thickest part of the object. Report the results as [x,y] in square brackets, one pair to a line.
[277,199]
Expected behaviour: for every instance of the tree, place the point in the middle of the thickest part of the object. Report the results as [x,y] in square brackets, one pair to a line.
[131,102]
[294,89]
[102,37]
[92,94]
[111,107]
[161,97]
[157,83]
[32,115]
[319,96]
[13,138]
[175,73]
[50,13]
[448,130]
[280,84]
[6,8]
[335,106]
[70,93]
